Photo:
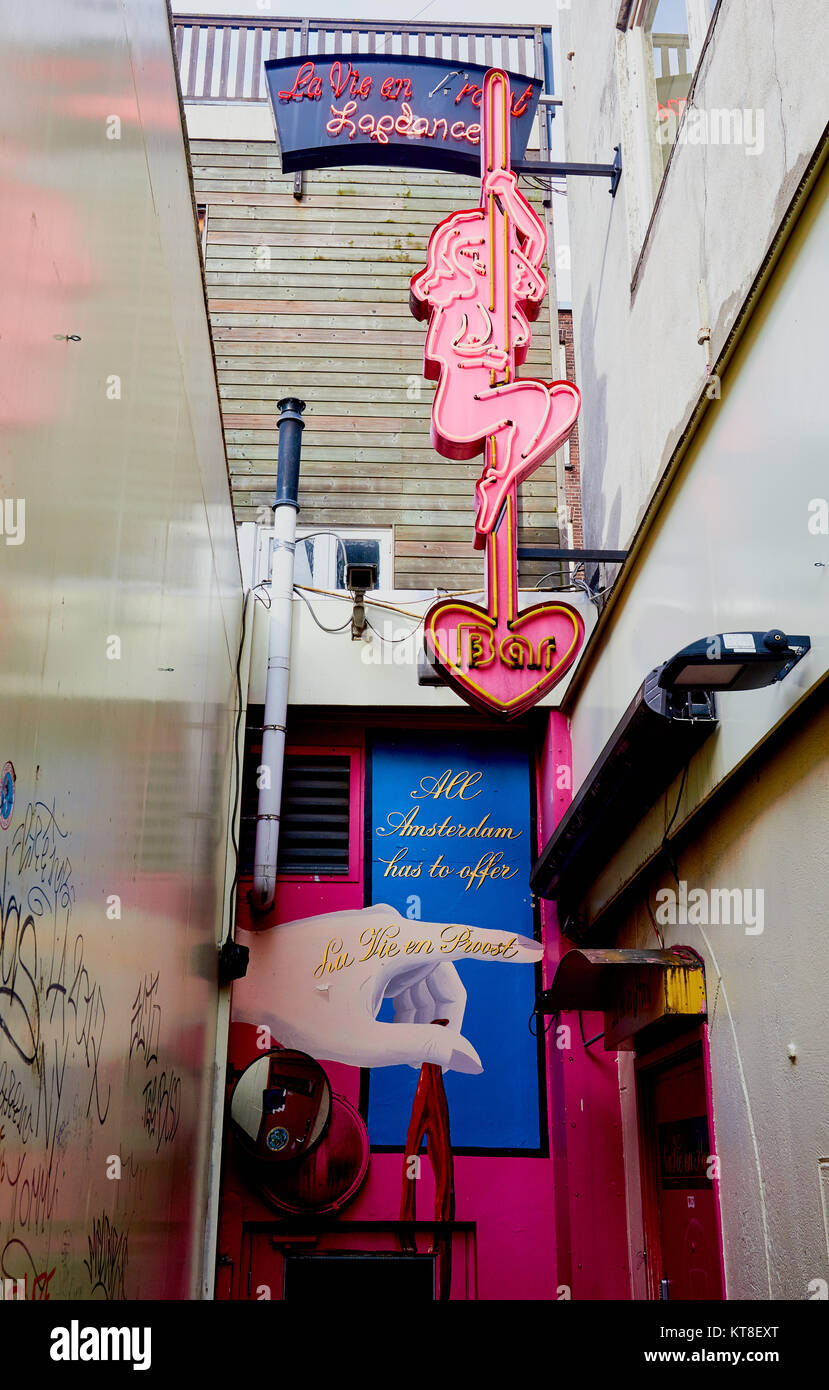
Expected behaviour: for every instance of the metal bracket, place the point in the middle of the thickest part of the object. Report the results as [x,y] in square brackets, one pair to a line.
[552,552]
[299,176]
[557,168]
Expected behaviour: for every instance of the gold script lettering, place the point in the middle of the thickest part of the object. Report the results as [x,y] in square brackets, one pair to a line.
[464,939]
[450,785]
[333,958]
[488,866]
[379,941]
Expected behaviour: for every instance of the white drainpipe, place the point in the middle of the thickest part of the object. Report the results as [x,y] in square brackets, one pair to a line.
[290,425]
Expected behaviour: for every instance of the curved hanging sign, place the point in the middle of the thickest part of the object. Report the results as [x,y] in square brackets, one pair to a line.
[335,109]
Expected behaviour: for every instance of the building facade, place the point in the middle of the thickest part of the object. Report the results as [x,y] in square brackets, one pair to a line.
[315,268]
[319,980]
[699,355]
[120,618]
[395,794]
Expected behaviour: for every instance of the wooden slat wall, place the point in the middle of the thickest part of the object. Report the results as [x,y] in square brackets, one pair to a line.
[310,298]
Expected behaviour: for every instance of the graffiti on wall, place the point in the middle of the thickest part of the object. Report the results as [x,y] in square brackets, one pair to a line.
[62,1051]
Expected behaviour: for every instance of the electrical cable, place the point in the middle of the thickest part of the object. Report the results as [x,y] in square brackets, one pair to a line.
[574,584]
[312,535]
[320,625]
[534,1031]
[302,589]
[543,185]
[678,800]
[393,641]
[671,861]
[660,938]
[231,916]
[664,845]
[592,594]
[392,608]
[587,1042]
[381,603]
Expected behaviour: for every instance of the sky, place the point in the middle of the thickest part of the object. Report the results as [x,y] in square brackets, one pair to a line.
[400,11]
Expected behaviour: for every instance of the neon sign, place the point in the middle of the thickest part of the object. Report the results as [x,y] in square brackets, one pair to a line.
[481,287]
[503,659]
[338,109]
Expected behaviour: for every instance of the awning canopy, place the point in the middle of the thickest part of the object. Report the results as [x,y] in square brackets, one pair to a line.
[653,741]
[633,988]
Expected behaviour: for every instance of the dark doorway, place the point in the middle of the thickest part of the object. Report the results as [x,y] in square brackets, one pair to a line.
[679,1172]
[358,1276]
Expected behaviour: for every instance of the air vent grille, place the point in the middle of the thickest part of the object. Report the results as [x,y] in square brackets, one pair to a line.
[314,826]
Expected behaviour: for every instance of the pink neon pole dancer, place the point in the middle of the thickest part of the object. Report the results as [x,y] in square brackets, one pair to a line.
[481,286]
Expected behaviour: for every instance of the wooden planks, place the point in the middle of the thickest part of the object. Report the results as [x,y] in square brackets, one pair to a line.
[311,298]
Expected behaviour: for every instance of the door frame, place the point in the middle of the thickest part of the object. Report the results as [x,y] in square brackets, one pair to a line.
[357,1238]
[689,1044]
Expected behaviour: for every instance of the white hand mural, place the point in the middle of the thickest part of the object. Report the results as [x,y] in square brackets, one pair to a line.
[318,985]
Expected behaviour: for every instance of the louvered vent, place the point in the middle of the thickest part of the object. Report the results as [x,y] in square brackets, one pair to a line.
[314,816]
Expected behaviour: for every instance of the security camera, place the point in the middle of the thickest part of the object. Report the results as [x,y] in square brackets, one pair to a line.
[360,576]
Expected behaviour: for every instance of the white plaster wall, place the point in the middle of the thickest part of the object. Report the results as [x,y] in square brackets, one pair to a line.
[640,368]
[229,120]
[765,991]
[731,550]
[331,669]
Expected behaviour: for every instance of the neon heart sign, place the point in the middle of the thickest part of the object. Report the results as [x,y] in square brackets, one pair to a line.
[499,658]
[481,287]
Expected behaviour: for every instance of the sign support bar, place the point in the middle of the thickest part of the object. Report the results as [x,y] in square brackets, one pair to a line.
[556,168]
[552,552]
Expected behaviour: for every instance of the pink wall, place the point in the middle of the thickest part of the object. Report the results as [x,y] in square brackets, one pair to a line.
[538,1222]
[584,1093]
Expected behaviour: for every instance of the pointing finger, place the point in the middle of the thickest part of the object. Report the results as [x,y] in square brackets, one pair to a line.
[456,941]
[399,1044]
[412,943]
[417,1043]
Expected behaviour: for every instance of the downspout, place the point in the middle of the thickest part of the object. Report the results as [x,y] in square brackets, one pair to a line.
[217,1126]
[290,425]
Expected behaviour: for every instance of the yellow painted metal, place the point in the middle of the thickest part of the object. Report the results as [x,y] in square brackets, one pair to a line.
[641,995]
[683,991]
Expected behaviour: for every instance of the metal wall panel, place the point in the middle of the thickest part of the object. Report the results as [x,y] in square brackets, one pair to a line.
[120,601]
